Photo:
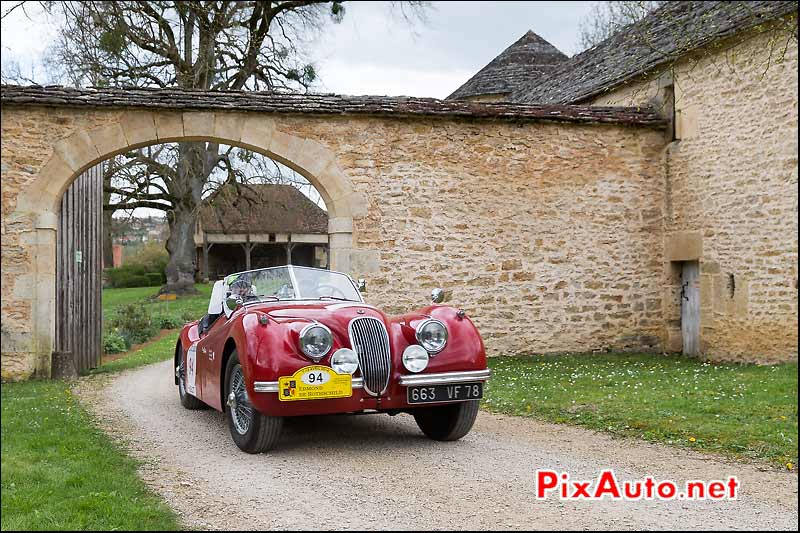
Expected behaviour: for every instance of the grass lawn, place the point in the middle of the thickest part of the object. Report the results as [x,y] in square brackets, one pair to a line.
[743,411]
[61,472]
[114,298]
[152,352]
[194,306]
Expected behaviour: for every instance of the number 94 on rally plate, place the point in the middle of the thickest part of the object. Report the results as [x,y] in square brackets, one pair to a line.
[314,382]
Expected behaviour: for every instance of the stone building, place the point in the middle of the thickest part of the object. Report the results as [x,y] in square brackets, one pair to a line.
[522,64]
[725,75]
[257,226]
[560,219]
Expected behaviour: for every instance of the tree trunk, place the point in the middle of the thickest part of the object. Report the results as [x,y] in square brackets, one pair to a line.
[180,245]
[108,240]
[194,168]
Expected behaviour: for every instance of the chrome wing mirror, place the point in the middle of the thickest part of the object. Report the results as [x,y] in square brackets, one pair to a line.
[361,285]
[437,295]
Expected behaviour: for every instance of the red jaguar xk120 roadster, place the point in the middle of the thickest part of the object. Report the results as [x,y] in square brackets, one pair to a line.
[293,341]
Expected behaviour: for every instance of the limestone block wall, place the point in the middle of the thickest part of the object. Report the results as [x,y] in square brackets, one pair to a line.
[732,202]
[549,235]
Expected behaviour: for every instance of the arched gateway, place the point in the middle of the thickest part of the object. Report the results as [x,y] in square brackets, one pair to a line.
[420,192]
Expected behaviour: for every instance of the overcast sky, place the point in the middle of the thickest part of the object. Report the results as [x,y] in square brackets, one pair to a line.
[373,51]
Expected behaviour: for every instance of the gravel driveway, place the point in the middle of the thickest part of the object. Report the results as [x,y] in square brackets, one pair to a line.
[379,472]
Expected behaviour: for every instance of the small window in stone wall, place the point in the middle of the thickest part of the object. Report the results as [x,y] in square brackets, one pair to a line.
[731,285]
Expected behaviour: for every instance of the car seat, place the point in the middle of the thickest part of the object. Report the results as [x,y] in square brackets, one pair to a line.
[214,307]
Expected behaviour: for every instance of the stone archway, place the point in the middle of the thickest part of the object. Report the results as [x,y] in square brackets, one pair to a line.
[508,206]
[84,148]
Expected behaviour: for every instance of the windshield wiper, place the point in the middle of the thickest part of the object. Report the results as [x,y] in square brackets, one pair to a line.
[336,298]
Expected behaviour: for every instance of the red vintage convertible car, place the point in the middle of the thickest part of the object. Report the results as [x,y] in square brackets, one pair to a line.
[293,341]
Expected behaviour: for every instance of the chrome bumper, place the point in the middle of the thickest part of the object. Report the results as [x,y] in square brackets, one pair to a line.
[442,378]
[272,386]
[445,378]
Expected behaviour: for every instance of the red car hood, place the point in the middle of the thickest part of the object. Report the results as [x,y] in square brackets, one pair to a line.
[336,315]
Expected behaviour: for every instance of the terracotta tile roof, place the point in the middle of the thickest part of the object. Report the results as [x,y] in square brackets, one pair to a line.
[262,209]
[669,32]
[325,104]
[525,62]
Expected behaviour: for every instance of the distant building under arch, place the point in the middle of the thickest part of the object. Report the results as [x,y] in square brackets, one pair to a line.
[243,227]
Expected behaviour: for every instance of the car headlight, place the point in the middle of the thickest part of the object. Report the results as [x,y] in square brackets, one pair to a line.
[432,335]
[344,361]
[415,358]
[316,341]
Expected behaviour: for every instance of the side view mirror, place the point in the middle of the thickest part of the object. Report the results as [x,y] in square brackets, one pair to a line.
[233,302]
[437,295]
[361,285]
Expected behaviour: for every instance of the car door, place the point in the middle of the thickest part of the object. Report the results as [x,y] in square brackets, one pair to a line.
[209,351]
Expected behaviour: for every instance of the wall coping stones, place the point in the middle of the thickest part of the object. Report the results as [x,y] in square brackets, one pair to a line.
[320,104]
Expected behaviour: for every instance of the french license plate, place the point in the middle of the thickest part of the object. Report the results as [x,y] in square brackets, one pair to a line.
[315,382]
[445,393]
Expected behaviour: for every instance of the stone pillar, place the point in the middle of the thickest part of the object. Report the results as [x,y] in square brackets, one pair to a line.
[44,293]
[246,248]
[340,243]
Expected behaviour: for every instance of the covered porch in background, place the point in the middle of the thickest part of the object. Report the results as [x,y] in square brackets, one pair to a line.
[244,227]
[220,254]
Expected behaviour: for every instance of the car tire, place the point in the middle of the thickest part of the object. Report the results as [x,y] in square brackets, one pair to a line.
[187,400]
[252,431]
[447,422]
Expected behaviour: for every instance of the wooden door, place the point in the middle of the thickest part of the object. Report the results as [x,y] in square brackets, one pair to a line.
[690,307]
[79,253]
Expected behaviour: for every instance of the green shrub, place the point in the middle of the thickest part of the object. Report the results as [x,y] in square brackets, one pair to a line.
[145,268]
[135,323]
[170,322]
[114,342]
[188,316]
[152,255]
[155,278]
[125,277]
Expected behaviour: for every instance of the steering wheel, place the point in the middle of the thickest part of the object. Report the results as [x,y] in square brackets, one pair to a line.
[333,289]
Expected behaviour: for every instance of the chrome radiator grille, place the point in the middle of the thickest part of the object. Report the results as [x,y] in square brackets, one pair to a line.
[369,339]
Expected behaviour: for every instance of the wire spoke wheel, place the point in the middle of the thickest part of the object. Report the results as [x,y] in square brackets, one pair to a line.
[239,403]
[251,430]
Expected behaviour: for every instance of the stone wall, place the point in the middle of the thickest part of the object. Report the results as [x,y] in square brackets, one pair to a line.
[549,235]
[732,182]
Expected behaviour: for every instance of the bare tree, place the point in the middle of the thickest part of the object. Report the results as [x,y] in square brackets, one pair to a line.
[208,45]
[608,17]
[12,6]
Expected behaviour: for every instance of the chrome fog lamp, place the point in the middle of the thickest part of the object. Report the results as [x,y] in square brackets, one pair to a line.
[415,358]
[344,361]
[316,341]
[432,335]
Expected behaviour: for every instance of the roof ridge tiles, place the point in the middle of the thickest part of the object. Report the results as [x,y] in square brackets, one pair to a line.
[405,106]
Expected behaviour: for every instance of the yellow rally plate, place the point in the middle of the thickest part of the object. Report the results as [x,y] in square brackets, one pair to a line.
[315,382]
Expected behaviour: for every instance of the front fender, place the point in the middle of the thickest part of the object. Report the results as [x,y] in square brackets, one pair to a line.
[267,348]
[464,349]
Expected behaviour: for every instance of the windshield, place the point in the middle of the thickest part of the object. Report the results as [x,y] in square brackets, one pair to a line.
[292,283]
